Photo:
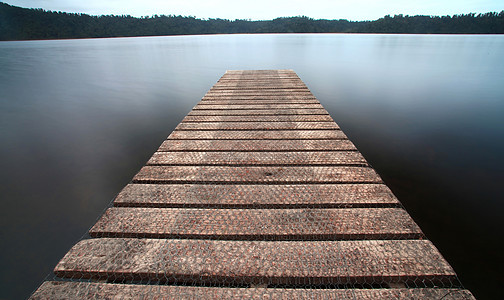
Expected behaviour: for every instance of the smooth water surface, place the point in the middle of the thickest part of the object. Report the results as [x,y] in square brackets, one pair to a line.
[78,118]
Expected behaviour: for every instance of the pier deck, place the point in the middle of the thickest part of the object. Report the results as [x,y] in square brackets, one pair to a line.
[257,193]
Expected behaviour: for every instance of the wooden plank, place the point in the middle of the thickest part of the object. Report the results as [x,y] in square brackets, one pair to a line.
[265,90]
[256,145]
[258,134]
[233,75]
[265,82]
[284,76]
[258,126]
[256,196]
[258,79]
[244,93]
[257,73]
[251,77]
[259,158]
[250,106]
[257,224]
[285,83]
[279,73]
[252,112]
[228,78]
[287,118]
[62,290]
[261,78]
[268,84]
[234,101]
[276,78]
[248,174]
[259,91]
[255,98]
[256,262]
[261,81]
[267,99]
[258,88]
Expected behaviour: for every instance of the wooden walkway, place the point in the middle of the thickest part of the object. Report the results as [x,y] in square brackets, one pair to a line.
[256,194]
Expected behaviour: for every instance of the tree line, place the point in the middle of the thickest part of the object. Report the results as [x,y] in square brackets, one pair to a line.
[18,23]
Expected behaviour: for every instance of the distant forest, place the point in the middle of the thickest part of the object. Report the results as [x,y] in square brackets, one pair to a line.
[18,23]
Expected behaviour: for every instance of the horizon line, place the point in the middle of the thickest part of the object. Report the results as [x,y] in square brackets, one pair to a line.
[250,19]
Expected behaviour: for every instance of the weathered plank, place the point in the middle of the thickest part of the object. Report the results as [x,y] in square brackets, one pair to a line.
[276,72]
[257,224]
[259,158]
[275,90]
[293,79]
[251,78]
[259,91]
[59,290]
[256,196]
[267,80]
[249,93]
[252,112]
[269,119]
[260,82]
[255,262]
[234,101]
[249,174]
[269,88]
[259,73]
[255,98]
[261,85]
[253,106]
[258,126]
[256,145]
[258,135]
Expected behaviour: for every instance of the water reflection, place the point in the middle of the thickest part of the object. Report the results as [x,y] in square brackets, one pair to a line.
[78,118]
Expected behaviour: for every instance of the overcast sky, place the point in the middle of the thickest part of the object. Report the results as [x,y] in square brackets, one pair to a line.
[355,10]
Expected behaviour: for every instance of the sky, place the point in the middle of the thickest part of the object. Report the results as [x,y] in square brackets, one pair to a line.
[354,10]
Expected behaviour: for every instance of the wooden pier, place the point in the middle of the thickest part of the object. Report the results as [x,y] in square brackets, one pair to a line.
[256,194]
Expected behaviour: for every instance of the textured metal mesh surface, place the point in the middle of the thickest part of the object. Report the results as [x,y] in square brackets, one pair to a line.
[256,194]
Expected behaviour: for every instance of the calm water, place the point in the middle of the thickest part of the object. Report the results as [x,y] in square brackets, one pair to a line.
[78,118]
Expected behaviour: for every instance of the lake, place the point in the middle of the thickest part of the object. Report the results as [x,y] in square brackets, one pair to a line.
[78,119]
